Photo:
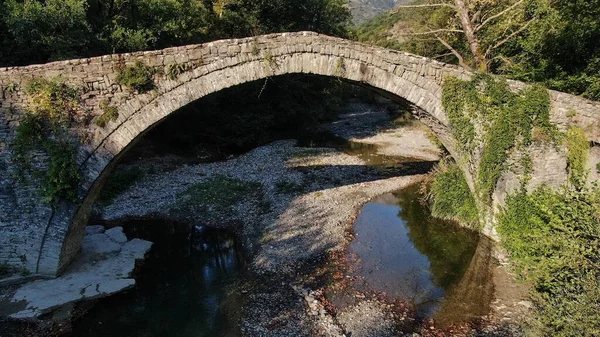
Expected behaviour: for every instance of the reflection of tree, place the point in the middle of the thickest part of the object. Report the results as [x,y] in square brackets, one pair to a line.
[461,262]
[448,247]
[471,297]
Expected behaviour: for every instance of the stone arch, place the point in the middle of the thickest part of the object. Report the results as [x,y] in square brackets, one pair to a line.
[210,68]
[402,76]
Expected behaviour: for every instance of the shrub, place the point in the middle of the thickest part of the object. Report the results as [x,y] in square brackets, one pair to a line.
[109,114]
[578,146]
[137,77]
[61,177]
[553,238]
[449,195]
[176,69]
[45,127]
[52,99]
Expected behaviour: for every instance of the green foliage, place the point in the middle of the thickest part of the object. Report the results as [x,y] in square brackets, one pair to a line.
[53,99]
[217,195]
[553,238]
[109,114]
[562,48]
[61,177]
[137,76]
[450,197]
[36,31]
[578,146]
[559,47]
[459,99]
[53,105]
[507,120]
[176,69]
[118,182]
[288,187]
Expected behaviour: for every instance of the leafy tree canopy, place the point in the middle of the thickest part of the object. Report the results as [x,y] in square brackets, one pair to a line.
[34,31]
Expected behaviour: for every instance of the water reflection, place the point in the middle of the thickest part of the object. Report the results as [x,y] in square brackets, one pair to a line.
[186,288]
[443,269]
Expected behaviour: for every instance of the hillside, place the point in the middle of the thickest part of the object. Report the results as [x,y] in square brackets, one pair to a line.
[363,10]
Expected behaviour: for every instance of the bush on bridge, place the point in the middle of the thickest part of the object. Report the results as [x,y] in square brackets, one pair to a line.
[53,105]
[137,76]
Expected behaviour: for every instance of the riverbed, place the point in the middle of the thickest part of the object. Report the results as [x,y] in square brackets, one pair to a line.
[322,236]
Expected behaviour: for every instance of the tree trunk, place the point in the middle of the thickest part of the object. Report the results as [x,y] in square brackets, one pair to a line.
[462,12]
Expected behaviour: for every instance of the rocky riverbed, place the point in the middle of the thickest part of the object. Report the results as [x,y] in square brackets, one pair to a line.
[293,209]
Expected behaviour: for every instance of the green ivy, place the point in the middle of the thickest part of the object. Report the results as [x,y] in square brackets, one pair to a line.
[45,128]
[62,177]
[578,146]
[459,99]
[507,119]
[138,76]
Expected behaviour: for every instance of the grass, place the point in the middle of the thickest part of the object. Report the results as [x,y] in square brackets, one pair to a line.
[120,181]
[288,187]
[216,195]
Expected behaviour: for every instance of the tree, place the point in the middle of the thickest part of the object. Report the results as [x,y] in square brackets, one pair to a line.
[483,25]
[45,30]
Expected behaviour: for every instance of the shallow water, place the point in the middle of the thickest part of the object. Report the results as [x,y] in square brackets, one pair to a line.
[443,270]
[186,288]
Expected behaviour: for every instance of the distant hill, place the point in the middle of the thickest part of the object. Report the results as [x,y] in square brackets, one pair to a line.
[363,10]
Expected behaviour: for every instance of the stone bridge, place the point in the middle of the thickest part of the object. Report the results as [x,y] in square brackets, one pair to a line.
[44,239]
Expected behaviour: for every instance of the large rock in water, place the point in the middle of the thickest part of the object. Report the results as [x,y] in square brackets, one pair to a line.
[104,267]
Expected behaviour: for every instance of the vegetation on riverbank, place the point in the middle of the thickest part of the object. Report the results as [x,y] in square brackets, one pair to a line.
[553,236]
[550,235]
[449,195]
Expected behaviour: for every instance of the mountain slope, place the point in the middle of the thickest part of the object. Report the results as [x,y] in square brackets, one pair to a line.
[363,10]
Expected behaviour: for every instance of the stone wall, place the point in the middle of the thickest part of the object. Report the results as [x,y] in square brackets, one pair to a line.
[45,240]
